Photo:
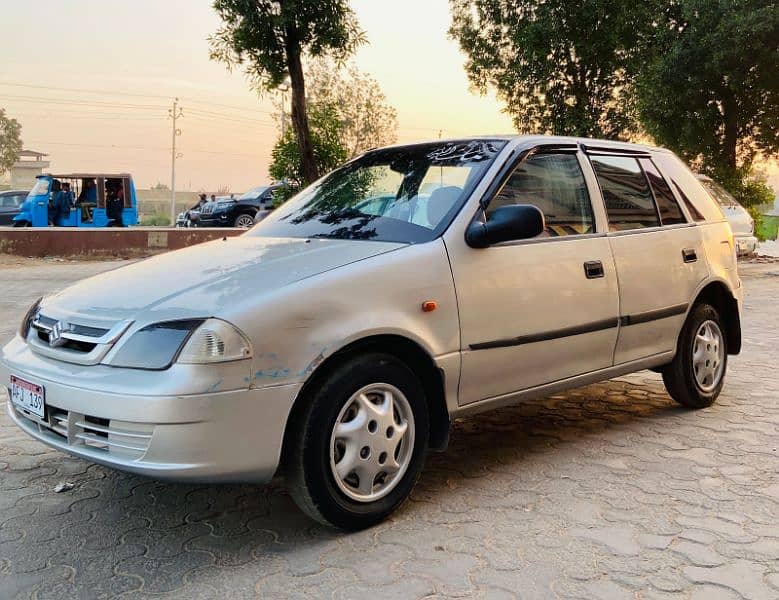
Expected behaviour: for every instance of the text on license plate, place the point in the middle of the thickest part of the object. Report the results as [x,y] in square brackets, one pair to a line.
[29,396]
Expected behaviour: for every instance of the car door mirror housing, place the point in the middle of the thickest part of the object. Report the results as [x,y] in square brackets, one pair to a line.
[506,223]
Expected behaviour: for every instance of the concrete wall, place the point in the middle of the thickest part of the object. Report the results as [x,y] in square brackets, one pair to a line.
[136,241]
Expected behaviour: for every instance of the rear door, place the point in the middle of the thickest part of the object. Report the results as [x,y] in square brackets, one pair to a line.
[659,255]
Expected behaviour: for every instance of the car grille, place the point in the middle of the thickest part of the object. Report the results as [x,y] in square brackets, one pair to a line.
[72,342]
[119,438]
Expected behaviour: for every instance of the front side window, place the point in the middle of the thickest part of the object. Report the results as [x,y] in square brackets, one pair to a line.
[405,194]
[626,193]
[670,213]
[555,184]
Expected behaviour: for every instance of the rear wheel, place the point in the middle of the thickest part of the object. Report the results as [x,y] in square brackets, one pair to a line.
[695,377]
[355,452]
[244,221]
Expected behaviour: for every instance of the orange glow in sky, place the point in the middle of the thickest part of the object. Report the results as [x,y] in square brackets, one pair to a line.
[135,57]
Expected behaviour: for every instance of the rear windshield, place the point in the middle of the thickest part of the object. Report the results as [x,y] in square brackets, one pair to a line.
[253,193]
[719,193]
[405,194]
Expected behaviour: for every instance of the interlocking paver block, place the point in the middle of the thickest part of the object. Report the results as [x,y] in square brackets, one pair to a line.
[609,491]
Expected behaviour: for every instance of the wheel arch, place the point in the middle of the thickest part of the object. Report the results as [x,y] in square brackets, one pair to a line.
[407,351]
[718,294]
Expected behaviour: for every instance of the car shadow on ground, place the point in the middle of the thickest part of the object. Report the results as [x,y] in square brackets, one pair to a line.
[150,525]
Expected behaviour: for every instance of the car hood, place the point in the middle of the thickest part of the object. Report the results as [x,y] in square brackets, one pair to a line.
[202,280]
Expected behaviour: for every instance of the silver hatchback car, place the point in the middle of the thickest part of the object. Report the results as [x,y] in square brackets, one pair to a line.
[336,340]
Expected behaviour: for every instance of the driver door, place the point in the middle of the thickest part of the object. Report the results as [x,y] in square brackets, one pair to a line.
[540,310]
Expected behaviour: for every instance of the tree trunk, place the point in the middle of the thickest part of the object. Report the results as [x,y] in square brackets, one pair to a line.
[730,141]
[299,111]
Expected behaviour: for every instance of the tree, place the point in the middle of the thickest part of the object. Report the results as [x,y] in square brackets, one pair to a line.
[10,141]
[326,141]
[368,120]
[269,39]
[560,67]
[348,114]
[711,90]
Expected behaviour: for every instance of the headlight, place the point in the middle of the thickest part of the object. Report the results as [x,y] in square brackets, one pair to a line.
[213,342]
[29,317]
[155,346]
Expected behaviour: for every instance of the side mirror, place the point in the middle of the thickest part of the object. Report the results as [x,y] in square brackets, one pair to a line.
[507,223]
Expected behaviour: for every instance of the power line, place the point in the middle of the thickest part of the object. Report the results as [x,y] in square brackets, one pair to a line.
[67,101]
[80,91]
[134,95]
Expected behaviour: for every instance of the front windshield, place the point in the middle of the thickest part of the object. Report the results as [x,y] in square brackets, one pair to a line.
[253,193]
[41,187]
[405,194]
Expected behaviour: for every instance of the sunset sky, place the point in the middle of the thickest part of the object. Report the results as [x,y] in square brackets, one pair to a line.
[133,58]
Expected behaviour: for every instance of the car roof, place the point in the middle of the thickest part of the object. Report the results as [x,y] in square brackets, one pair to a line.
[535,139]
[86,175]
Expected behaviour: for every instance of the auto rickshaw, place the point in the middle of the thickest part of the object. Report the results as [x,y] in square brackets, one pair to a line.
[80,200]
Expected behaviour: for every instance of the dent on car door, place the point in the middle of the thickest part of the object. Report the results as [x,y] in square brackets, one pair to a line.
[659,255]
[540,310]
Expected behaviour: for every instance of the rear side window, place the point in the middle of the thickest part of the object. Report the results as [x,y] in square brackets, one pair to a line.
[701,205]
[626,193]
[670,213]
[555,184]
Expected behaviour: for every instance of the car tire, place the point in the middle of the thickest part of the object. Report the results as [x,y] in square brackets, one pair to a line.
[372,413]
[695,376]
[244,221]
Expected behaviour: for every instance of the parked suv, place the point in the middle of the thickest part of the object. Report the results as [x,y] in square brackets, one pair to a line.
[237,212]
[338,339]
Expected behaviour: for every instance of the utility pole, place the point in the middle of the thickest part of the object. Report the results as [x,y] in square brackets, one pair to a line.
[174,113]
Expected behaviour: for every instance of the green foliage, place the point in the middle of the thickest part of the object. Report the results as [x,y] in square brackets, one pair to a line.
[560,67]
[269,38]
[155,220]
[10,141]
[257,35]
[368,120]
[710,89]
[767,228]
[329,151]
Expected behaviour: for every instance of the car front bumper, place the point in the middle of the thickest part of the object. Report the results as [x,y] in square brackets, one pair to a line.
[231,435]
[215,220]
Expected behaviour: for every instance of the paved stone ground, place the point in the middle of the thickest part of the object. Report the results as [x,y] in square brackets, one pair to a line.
[608,491]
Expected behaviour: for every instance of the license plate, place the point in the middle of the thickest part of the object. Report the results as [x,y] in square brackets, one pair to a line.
[29,396]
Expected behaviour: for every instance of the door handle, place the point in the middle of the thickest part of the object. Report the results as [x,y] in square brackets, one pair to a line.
[593,269]
[689,255]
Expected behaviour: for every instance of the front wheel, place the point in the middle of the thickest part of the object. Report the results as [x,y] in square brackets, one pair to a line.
[244,221]
[354,453]
[695,376]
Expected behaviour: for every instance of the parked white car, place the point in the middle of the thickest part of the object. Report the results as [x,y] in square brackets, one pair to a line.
[339,337]
[741,222]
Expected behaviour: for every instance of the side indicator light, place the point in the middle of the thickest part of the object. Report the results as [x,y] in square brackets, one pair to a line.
[429,305]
